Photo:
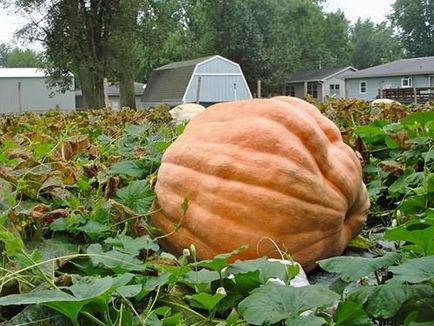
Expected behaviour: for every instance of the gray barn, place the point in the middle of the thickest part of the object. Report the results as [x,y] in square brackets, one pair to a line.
[24,89]
[206,80]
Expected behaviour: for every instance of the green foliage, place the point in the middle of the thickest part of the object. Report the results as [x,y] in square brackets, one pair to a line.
[76,189]
[137,195]
[414,20]
[272,303]
[373,44]
[18,58]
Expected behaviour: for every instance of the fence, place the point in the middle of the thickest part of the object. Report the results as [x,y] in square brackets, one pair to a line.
[406,95]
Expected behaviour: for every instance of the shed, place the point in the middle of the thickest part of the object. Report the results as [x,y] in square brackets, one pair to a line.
[206,80]
[25,89]
[114,96]
[404,80]
[319,83]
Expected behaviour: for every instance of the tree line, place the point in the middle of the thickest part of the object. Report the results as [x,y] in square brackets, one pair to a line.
[123,40]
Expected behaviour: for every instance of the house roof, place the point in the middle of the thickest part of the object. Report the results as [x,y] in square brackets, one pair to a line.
[413,66]
[317,74]
[169,83]
[21,73]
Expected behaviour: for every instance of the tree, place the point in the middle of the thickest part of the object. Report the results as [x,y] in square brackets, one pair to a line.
[373,44]
[165,33]
[125,50]
[4,51]
[414,20]
[23,58]
[76,37]
[336,36]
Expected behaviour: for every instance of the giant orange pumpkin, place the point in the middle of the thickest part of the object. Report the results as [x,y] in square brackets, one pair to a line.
[256,170]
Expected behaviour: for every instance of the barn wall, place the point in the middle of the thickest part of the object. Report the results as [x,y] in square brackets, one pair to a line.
[218,88]
[35,96]
[217,65]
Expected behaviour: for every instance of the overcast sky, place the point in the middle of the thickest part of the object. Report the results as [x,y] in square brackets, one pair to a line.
[376,10]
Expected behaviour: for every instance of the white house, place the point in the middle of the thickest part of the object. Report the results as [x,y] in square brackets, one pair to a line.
[25,89]
[318,83]
[405,80]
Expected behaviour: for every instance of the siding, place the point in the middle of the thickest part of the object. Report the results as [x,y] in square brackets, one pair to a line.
[323,82]
[179,83]
[218,88]
[114,102]
[334,81]
[35,96]
[374,84]
[217,65]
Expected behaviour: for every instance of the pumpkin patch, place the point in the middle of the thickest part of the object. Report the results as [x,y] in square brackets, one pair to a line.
[256,170]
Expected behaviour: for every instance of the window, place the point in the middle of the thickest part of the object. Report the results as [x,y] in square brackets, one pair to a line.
[335,90]
[312,89]
[363,87]
[406,81]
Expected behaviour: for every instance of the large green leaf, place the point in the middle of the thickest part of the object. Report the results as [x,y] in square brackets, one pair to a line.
[414,270]
[267,269]
[418,235]
[385,300]
[137,195]
[12,243]
[273,303]
[93,229]
[136,168]
[200,279]
[114,259]
[205,300]
[353,268]
[351,313]
[420,118]
[36,297]
[84,290]
[296,320]
[219,261]
[132,246]
[370,134]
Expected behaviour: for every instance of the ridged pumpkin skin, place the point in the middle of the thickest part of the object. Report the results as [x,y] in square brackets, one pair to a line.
[257,169]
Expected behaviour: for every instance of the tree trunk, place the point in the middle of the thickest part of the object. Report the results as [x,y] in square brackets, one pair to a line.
[127,91]
[92,88]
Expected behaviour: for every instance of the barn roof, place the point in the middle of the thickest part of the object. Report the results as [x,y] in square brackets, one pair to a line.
[21,73]
[186,63]
[169,83]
